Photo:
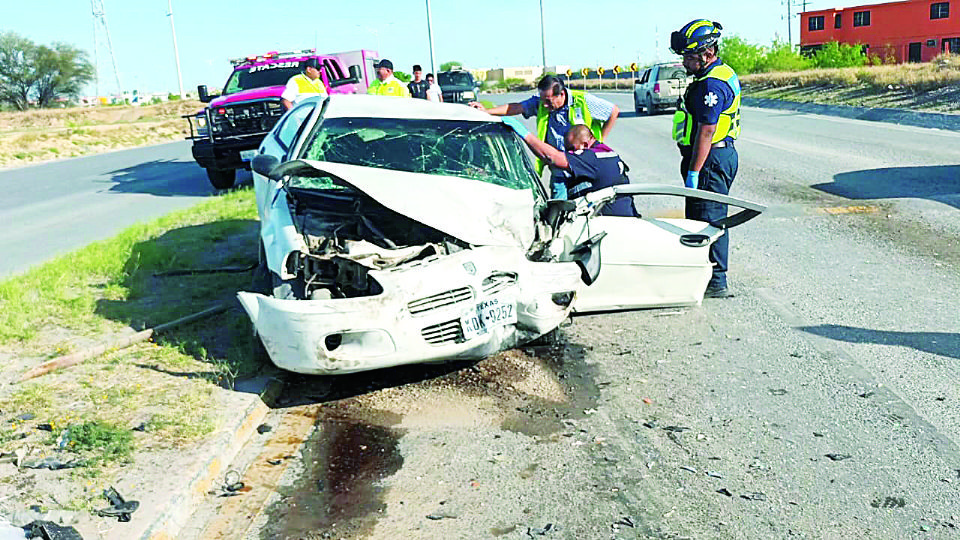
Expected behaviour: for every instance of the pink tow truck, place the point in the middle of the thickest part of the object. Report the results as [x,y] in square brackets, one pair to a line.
[227,133]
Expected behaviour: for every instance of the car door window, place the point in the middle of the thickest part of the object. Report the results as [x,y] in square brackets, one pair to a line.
[646,76]
[287,132]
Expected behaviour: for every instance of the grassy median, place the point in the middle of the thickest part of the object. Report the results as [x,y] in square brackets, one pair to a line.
[163,388]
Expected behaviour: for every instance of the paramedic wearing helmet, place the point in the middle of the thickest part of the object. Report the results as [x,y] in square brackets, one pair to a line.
[704,128]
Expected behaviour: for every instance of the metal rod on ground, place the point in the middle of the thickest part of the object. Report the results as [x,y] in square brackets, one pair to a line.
[143,335]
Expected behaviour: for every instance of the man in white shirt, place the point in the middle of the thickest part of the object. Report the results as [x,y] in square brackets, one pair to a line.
[434,93]
[304,84]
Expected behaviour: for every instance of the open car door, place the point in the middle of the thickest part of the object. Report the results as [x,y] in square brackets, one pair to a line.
[650,262]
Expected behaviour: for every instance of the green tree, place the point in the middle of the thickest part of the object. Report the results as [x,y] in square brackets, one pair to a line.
[18,73]
[837,55]
[743,57]
[36,72]
[403,77]
[781,56]
[447,66]
[62,72]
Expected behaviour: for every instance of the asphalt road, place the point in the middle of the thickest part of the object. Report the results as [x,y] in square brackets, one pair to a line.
[819,402]
[53,208]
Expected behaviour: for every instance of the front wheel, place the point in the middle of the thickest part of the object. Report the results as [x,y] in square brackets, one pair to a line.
[222,178]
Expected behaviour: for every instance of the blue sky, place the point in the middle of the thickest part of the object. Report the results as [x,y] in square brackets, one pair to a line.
[479,34]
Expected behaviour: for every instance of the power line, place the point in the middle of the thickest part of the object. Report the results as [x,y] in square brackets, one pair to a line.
[100,24]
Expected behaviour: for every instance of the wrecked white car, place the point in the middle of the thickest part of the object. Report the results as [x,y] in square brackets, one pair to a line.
[404,231]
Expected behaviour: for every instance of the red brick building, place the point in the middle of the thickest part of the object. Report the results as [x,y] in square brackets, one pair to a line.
[909,31]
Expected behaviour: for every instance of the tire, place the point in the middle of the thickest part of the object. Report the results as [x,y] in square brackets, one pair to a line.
[636,105]
[222,178]
[648,105]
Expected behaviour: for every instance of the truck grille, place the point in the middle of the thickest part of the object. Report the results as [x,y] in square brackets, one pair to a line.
[444,299]
[446,332]
[453,97]
[245,118]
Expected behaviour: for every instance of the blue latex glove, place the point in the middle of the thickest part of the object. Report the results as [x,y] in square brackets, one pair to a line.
[693,178]
[515,125]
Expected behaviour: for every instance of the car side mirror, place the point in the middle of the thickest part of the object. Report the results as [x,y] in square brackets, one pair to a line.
[203,94]
[587,257]
[265,165]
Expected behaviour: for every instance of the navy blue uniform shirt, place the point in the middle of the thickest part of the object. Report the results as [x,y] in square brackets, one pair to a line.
[595,168]
[706,99]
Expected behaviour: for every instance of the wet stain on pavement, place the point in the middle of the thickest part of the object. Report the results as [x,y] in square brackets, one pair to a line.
[339,493]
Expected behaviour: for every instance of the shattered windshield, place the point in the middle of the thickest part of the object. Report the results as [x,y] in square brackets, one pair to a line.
[454,78]
[259,76]
[483,151]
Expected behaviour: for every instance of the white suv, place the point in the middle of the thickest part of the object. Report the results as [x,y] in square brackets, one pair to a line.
[660,87]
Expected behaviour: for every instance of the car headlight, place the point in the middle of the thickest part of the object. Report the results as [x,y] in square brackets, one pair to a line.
[469,94]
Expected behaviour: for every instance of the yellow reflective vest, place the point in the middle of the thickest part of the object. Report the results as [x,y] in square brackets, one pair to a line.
[390,87]
[729,123]
[306,85]
[578,114]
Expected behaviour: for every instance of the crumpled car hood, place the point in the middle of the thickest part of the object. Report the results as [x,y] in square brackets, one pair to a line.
[475,212]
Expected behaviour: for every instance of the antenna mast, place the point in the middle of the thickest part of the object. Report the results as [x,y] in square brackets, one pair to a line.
[100,22]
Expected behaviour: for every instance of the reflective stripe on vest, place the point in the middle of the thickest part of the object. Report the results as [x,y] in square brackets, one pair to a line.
[307,86]
[578,103]
[728,124]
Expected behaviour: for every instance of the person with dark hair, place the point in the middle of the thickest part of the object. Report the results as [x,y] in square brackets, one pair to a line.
[304,84]
[704,128]
[418,87]
[386,84]
[434,92]
[556,108]
[587,165]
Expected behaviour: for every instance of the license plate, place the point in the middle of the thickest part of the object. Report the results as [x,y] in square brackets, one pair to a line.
[247,155]
[487,315]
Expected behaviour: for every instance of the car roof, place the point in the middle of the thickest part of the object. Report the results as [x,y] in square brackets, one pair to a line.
[368,106]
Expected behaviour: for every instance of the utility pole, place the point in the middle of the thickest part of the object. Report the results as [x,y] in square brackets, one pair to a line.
[100,19]
[433,67]
[543,39]
[176,52]
[789,25]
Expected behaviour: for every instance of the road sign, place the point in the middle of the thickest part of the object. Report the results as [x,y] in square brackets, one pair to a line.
[616,69]
[633,66]
[600,70]
[584,71]
[569,72]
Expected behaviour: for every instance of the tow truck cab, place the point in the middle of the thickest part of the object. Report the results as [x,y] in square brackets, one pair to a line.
[227,133]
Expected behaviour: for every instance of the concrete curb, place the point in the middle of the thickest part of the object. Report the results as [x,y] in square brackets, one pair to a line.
[950,122]
[205,474]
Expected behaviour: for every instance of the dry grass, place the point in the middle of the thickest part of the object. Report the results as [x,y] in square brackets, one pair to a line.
[41,135]
[941,72]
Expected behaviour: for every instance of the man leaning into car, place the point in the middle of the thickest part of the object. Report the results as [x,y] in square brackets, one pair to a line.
[586,166]
[557,108]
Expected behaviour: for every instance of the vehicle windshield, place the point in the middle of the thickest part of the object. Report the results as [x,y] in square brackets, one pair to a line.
[454,78]
[482,151]
[260,76]
[671,72]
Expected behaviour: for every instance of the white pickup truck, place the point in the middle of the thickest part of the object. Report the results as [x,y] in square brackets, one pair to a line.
[660,87]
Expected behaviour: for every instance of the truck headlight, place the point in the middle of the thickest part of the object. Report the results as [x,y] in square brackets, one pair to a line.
[201,121]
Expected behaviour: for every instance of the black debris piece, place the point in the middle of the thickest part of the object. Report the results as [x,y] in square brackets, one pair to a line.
[866,394]
[119,508]
[650,424]
[817,434]
[838,457]
[778,391]
[725,491]
[539,532]
[264,428]
[142,427]
[53,463]
[435,517]
[755,496]
[45,427]
[688,469]
[676,429]
[712,474]
[626,522]
[274,461]
[48,530]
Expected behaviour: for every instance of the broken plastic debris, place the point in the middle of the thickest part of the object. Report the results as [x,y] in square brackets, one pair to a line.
[119,508]
[690,469]
[714,474]
[53,463]
[676,429]
[754,496]
[648,401]
[778,391]
[540,532]
[49,530]
[838,457]
[264,428]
